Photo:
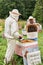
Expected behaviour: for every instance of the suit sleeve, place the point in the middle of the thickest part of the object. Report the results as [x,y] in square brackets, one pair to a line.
[14,30]
[7,31]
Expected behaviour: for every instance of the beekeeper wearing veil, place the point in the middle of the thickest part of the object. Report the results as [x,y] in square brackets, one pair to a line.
[11,33]
[32,20]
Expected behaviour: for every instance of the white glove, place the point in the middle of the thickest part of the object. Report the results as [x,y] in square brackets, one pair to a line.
[8,36]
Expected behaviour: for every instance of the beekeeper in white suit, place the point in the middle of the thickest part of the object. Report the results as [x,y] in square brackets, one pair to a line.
[31,20]
[11,33]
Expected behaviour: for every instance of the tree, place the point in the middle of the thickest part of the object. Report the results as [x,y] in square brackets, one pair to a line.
[25,7]
[5,7]
[38,11]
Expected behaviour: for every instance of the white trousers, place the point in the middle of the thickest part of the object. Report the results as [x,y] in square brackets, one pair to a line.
[10,50]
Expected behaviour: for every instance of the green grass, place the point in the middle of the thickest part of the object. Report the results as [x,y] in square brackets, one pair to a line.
[3,44]
[19,60]
[40,41]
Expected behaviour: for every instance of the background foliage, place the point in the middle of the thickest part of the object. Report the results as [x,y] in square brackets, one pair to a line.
[38,11]
[25,7]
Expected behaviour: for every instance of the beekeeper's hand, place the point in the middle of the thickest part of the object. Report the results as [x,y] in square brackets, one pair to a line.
[20,37]
[39,26]
[17,35]
[8,36]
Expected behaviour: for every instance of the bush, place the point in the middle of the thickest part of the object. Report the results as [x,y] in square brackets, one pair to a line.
[38,11]
[25,7]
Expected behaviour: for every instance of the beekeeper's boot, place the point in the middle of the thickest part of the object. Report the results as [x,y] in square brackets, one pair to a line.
[13,62]
[5,62]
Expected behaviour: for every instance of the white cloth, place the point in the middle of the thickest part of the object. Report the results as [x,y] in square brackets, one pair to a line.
[11,28]
[11,33]
[32,35]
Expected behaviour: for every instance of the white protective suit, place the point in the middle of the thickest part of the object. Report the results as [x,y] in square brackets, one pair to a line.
[11,33]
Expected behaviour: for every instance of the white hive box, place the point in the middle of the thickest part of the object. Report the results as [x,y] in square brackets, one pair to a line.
[31,46]
[34,58]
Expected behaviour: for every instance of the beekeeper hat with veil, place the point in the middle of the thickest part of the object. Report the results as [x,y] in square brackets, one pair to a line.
[31,18]
[15,14]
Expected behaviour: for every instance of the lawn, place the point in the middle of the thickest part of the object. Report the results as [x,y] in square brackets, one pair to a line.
[3,45]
